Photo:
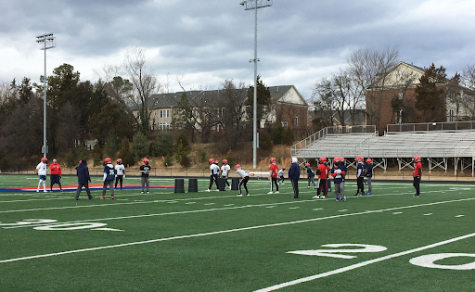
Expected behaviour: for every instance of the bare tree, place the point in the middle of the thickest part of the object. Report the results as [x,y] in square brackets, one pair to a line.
[371,67]
[145,84]
[468,98]
[232,101]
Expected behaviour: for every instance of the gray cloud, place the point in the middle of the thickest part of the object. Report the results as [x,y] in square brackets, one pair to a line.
[296,39]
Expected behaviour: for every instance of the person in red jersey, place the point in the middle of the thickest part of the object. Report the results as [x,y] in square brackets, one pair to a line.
[273,176]
[417,175]
[322,171]
[55,178]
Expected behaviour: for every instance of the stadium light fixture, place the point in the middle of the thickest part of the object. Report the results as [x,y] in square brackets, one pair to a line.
[254,5]
[47,42]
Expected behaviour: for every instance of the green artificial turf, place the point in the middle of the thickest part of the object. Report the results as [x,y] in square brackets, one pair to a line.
[217,241]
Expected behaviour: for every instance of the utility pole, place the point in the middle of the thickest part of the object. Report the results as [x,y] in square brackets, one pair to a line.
[47,41]
[254,5]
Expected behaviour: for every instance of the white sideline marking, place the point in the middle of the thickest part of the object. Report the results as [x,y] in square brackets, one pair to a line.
[362,264]
[228,205]
[106,229]
[218,232]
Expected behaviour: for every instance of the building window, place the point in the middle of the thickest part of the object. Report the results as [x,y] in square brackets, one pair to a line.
[401,94]
[296,121]
[164,113]
[285,123]
[164,126]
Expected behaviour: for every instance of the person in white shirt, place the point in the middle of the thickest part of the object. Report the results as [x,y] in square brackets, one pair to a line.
[120,173]
[281,175]
[213,174]
[41,169]
[225,171]
[244,178]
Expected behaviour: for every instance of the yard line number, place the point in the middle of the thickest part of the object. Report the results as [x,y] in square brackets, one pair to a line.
[426,261]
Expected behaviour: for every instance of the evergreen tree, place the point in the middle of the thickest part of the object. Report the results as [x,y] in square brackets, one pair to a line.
[263,100]
[139,146]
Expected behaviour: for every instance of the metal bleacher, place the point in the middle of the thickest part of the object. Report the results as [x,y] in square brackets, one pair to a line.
[436,142]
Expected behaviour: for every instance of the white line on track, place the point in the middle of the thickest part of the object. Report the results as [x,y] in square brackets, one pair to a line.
[251,228]
[362,264]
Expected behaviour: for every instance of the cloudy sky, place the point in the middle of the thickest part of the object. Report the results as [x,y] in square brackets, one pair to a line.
[207,42]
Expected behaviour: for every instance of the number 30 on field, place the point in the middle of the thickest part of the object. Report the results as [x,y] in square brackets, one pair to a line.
[427,261]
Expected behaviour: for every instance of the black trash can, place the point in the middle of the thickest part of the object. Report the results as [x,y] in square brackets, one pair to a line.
[179,185]
[221,184]
[193,185]
[234,184]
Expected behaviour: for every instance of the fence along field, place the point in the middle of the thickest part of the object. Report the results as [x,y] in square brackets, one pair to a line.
[216,241]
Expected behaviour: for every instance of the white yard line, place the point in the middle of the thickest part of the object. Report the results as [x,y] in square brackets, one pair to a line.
[237,230]
[362,264]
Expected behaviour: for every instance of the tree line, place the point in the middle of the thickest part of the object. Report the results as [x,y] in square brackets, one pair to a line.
[80,111]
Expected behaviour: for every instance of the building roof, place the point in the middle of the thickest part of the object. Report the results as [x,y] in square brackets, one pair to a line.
[170,100]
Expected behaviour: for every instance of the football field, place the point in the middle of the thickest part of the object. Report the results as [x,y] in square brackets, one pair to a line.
[216,241]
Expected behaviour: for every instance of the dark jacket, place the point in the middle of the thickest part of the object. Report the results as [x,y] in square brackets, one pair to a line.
[369,170]
[294,171]
[82,171]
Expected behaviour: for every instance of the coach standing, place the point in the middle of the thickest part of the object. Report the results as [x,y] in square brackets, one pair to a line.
[294,175]
[55,177]
[82,172]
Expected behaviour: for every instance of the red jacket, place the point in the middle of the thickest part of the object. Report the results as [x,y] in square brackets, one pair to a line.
[417,170]
[273,168]
[55,168]
[323,171]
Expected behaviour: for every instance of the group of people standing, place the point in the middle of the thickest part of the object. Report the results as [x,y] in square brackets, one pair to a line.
[111,173]
[338,171]
[55,174]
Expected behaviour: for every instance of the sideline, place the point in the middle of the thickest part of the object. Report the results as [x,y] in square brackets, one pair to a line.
[228,231]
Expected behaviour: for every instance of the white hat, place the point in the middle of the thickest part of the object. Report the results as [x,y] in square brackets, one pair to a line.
[294,159]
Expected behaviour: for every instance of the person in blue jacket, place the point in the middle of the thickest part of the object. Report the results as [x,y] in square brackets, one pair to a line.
[294,175]
[82,171]
[310,176]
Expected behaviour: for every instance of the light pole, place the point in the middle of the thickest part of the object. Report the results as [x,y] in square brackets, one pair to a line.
[254,5]
[47,41]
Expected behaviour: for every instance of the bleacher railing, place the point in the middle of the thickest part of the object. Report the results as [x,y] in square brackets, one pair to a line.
[428,127]
[336,130]
[395,152]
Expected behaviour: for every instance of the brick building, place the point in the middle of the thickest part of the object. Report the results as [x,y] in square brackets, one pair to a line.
[391,99]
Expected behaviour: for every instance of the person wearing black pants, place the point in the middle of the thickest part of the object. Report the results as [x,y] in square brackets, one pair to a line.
[82,171]
[213,174]
[243,182]
[417,175]
[294,175]
[360,176]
